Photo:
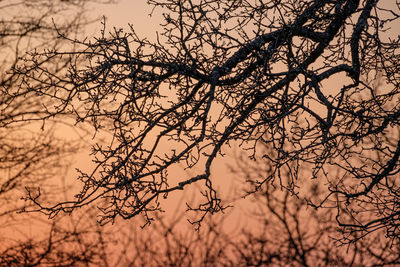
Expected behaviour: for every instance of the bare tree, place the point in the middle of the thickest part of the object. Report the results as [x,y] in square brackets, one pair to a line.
[281,231]
[296,75]
[29,157]
[292,233]
[77,241]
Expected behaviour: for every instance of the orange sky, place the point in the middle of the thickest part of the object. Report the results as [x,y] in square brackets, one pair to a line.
[136,12]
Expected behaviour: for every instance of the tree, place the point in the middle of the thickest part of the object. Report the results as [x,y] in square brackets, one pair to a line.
[276,230]
[296,75]
[293,234]
[27,156]
[30,157]
[77,241]
[279,234]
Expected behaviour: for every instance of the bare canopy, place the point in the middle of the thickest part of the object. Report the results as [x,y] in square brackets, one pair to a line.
[317,81]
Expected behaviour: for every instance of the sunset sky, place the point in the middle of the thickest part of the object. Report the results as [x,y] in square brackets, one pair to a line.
[319,137]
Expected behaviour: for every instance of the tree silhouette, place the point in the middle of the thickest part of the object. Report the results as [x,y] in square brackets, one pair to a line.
[299,76]
[27,156]
[66,242]
[283,232]
[30,157]
[276,230]
[294,234]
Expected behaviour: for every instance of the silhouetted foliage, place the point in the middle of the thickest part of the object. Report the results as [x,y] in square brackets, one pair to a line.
[292,233]
[299,76]
[29,157]
[280,231]
[73,242]
[276,230]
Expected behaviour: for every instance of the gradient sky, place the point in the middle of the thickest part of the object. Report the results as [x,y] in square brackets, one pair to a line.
[136,12]
[130,12]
